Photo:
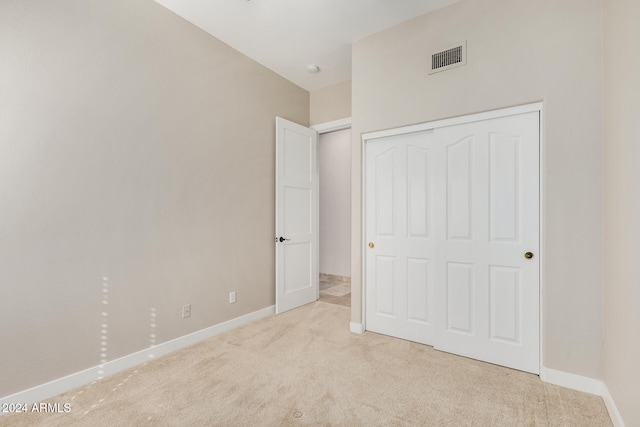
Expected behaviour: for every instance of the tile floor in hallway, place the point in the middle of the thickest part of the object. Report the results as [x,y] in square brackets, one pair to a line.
[335,291]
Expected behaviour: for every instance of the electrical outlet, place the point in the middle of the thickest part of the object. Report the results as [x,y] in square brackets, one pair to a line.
[232,297]
[186,311]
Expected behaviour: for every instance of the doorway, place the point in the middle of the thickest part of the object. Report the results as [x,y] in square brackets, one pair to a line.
[334,216]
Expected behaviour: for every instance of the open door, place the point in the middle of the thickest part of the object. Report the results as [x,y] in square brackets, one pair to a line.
[296,215]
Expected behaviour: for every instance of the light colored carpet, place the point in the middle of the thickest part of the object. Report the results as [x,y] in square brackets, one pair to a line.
[304,367]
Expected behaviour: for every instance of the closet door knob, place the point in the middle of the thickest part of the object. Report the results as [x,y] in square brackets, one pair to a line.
[528,255]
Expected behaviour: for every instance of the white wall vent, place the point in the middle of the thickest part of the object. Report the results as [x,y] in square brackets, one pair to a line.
[449,58]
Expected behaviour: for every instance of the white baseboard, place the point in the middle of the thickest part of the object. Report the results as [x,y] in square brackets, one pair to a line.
[584,384]
[614,414]
[87,376]
[572,381]
[356,328]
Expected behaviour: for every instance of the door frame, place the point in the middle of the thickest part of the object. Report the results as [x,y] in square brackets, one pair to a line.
[487,115]
[332,126]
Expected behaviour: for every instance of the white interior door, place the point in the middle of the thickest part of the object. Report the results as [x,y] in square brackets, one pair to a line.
[451,213]
[488,221]
[296,215]
[400,252]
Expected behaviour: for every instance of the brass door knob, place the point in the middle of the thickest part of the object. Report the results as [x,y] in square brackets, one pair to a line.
[528,255]
[371,245]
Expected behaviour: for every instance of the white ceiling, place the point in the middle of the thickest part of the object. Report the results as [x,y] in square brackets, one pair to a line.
[288,35]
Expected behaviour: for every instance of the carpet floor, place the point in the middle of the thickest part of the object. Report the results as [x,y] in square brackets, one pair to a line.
[304,367]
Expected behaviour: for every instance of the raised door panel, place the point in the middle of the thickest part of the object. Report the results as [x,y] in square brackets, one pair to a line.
[297,270]
[505,304]
[418,192]
[298,156]
[298,205]
[419,290]
[385,285]
[459,188]
[460,298]
[385,192]
[504,187]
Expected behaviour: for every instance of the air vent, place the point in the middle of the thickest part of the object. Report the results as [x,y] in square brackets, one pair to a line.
[450,58]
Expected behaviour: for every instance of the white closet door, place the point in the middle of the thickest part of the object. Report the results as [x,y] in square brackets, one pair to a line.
[488,238]
[453,218]
[399,253]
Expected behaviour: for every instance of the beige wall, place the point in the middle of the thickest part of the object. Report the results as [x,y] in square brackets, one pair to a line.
[330,103]
[518,52]
[622,206]
[137,148]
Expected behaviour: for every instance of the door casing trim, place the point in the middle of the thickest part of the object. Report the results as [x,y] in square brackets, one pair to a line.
[332,126]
